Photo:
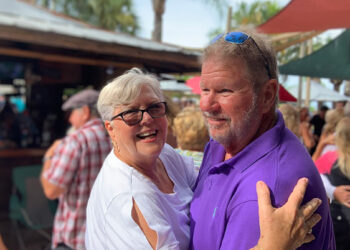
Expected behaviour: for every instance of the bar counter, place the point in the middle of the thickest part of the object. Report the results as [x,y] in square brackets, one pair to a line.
[9,159]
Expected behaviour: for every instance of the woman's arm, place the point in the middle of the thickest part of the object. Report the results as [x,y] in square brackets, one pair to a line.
[289,226]
[324,141]
[308,138]
[150,234]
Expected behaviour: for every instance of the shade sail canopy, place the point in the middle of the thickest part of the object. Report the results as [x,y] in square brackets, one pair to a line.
[331,61]
[307,15]
[319,93]
[284,95]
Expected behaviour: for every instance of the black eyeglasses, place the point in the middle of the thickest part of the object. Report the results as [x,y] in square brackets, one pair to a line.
[240,38]
[134,116]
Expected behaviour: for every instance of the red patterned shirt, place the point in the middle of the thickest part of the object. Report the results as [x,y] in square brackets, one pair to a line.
[74,167]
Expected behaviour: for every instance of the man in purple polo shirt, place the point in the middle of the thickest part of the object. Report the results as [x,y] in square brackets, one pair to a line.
[249,143]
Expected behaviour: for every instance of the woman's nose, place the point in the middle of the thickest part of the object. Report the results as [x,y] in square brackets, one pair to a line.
[146,118]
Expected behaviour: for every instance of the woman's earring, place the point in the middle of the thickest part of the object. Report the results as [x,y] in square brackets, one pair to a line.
[115,145]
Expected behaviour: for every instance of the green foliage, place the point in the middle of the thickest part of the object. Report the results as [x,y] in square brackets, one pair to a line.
[108,14]
[219,5]
[255,13]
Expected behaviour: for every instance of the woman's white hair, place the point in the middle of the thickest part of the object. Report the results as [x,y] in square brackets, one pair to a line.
[124,89]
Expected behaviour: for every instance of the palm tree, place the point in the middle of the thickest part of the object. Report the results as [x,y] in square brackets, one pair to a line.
[259,12]
[159,8]
[109,14]
[253,14]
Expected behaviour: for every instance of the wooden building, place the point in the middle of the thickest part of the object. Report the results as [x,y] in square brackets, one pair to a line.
[46,56]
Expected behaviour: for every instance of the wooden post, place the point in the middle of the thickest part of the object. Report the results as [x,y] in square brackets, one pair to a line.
[308,79]
[228,21]
[300,87]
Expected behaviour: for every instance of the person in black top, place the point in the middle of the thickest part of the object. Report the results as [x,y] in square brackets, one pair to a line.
[318,121]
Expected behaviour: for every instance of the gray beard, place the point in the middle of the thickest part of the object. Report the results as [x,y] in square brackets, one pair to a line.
[237,131]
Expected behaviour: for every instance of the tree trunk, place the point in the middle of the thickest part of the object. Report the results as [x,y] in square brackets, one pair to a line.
[158,8]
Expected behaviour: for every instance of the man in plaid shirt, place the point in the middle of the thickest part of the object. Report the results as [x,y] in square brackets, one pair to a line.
[71,166]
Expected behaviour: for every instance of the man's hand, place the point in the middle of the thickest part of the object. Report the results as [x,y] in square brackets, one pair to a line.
[342,195]
[289,226]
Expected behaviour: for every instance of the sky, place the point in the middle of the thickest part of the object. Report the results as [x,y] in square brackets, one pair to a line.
[185,22]
[188,22]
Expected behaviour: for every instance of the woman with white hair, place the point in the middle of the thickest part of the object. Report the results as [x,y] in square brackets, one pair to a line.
[141,197]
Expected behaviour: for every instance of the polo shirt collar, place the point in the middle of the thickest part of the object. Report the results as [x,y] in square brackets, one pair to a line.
[251,153]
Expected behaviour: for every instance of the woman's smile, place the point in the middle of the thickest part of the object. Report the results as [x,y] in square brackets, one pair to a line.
[148,136]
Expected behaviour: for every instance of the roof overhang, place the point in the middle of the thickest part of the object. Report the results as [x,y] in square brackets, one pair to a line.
[30,32]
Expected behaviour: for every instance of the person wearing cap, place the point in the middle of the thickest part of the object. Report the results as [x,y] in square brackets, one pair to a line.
[70,167]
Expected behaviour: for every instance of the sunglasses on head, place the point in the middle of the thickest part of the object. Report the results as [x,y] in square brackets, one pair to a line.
[240,38]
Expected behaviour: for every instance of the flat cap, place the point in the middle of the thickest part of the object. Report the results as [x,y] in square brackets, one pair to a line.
[80,99]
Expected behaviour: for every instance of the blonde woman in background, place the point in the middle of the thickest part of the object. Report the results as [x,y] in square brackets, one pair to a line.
[327,142]
[172,111]
[297,123]
[332,118]
[291,118]
[191,134]
[340,176]
[304,129]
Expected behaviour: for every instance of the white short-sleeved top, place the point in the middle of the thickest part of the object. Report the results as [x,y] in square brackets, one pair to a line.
[109,224]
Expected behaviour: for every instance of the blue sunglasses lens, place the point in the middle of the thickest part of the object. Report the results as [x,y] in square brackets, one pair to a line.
[232,37]
[236,37]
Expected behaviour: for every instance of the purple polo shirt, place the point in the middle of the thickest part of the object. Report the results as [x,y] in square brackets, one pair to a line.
[224,209]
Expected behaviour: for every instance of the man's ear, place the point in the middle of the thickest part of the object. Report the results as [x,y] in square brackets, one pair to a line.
[270,92]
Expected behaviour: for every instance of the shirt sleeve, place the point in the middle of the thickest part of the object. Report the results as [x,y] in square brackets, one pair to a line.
[328,186]
[242,229]
[122,232]
[64,163]
[184,163]
[191,171]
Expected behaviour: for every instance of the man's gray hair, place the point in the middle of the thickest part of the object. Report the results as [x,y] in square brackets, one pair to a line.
[249,54]
[125,89]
